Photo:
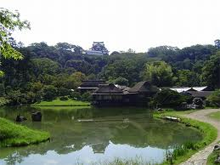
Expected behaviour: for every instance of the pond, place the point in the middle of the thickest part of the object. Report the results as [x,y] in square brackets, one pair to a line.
[84,135]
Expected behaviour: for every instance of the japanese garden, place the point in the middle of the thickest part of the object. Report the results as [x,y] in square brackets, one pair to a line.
[64,104]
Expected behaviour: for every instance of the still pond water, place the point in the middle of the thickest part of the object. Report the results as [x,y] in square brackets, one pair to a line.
[96,136]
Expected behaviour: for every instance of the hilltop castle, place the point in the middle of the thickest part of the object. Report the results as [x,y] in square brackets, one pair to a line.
[98,48]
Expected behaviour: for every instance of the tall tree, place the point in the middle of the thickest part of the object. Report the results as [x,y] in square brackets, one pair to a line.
[211,71]
[9,22]
[158,73]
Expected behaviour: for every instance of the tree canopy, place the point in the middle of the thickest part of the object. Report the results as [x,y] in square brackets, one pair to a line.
[158,73]
[9,22]
[46,72]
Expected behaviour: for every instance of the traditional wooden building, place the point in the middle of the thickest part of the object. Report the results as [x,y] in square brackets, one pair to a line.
[185,89]
[141,93]
[107,95]
[200,94]
[196,92]
[90,85]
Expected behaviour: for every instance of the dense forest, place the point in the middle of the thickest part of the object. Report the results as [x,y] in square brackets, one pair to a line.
[46,72]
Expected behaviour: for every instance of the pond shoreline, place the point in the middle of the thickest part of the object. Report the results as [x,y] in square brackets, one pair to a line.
[200,121]
[202,156]
[124,119]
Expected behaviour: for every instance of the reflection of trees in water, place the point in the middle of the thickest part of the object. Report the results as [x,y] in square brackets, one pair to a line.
[68,135]
[14,158]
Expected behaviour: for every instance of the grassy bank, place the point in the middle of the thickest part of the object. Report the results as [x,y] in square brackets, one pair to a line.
[183,153]
[212,157]
[62,108]
[118,161]
[214,154]
[15,135]
[215,115]
[58,102]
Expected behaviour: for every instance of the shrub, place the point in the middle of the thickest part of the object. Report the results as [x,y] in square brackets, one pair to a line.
[86,96]
[49,92]
[63,91]
[63,98]
[170,98]
[3,101]
[214,99]
[121,81]
[75,96]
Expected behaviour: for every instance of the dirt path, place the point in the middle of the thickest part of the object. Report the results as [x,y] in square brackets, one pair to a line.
[200,158]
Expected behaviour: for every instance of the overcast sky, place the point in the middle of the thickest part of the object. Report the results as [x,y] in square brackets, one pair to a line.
[121,24]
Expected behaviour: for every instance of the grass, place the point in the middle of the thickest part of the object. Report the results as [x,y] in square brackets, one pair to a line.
[214,115]
[16,135]
[118,161]
[58,102]
[62,108]
[212,157]
[209,135]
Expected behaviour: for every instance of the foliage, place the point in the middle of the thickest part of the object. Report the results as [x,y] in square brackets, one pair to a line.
[121,81]
[2,90]
[118,161]
[3,101]
[211,71]
[75,80]
[58,102]
[16,135]
[214,99]
[75,95]
[16,97]
[9,22]
[45,66]
[158,73]
[50,92]
[126,65]
[212,157]
[169,98]
[209,135]
[86,96]
[63,98]
[186,77]
[64,66]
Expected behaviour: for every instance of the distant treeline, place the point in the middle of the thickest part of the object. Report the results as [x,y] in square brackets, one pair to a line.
[50,71]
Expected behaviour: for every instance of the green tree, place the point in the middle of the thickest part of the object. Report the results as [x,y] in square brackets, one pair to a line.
[74,80]
[45,66]
[49,92]
[211,71]
[186,77]
[121,81]
[9,22]
[167,53]
[214,98]
[2,90]
[158,73]
[170,98]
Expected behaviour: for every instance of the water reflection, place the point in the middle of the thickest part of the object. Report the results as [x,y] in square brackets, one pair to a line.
[124,133]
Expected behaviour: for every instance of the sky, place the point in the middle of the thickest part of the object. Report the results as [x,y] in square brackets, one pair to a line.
[121,24]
